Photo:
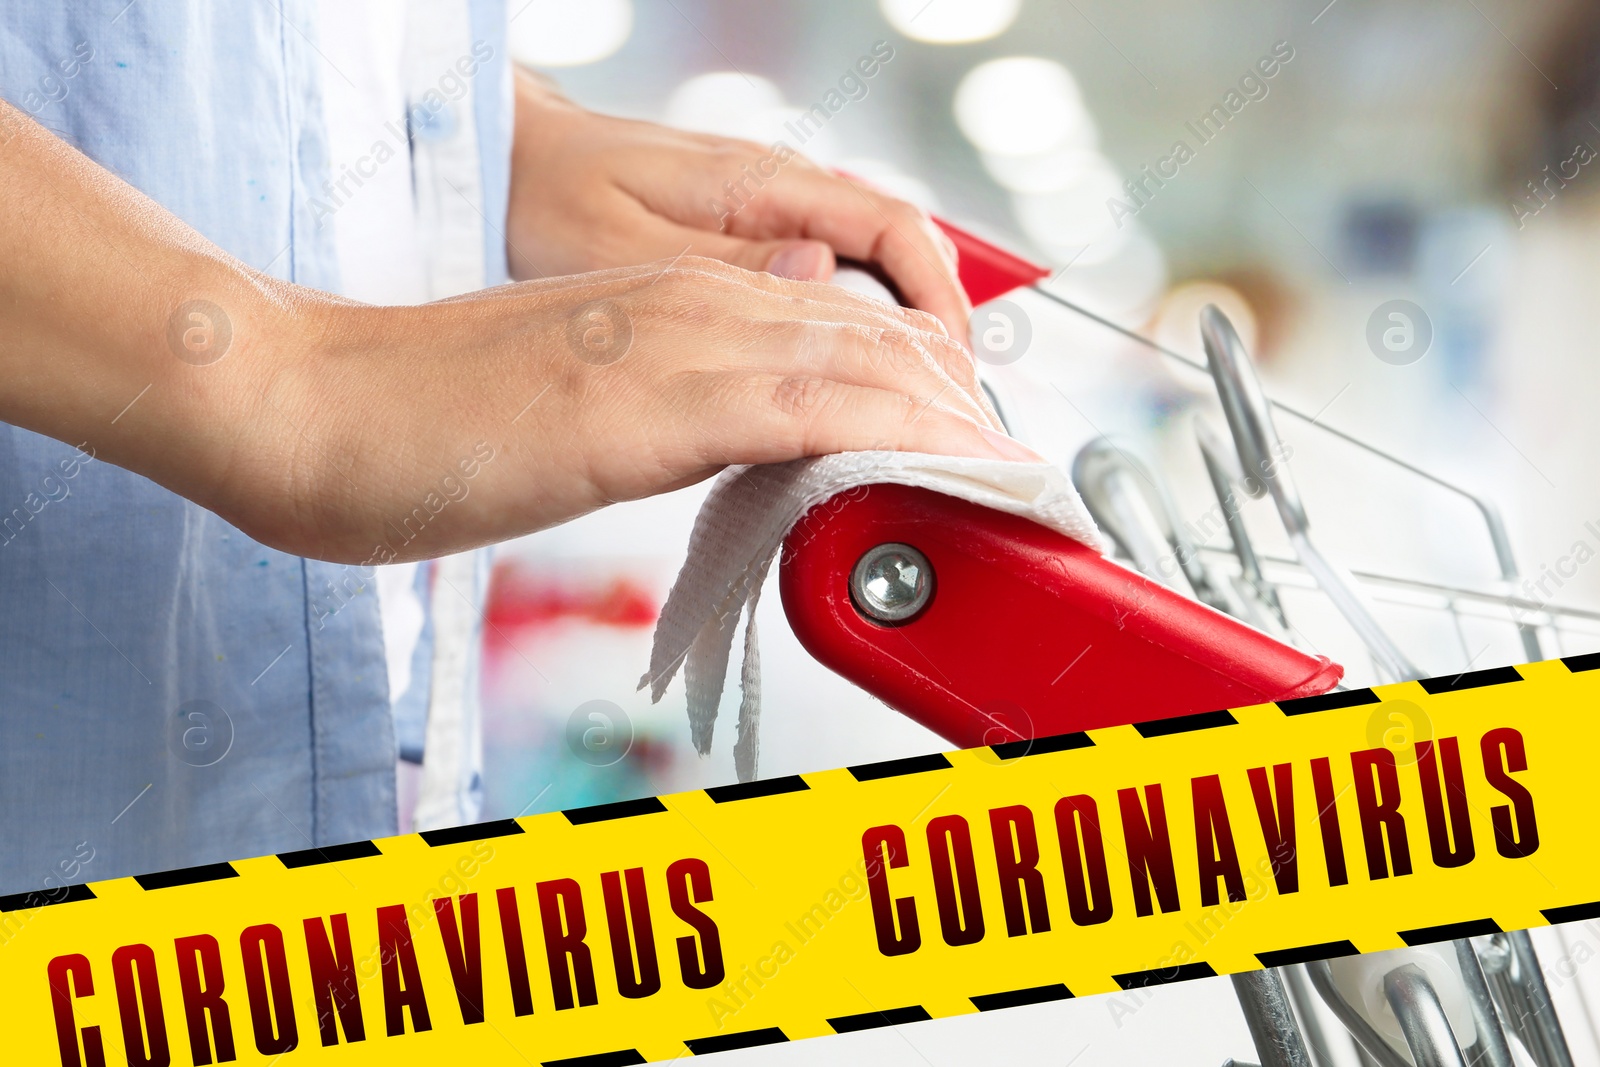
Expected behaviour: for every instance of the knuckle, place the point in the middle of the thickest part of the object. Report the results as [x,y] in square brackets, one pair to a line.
[770,285]
[898,351]
[700,273]
[690,266]
[891,355]
[800,343]
[906,211]
[906,354]
[843,340]
[914,411]
[949,247]
[733,151]
[795,336]
[695,283]
[802,396]
[955,358]
[924,321]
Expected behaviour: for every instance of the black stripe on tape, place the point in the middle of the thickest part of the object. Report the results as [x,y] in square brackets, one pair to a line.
[621,809]
[1470,680]
[1570,914]
[310,857]
[627,1057]
[460,835]
[1589,661]
[207,872]
[704,1046]
[1016,998]
[871,1020]
[1038,746]
[43,898]
[1182,724]
[1429,935]
[186,875]
[1184,972]
[1350,698]
[765,787]
[1328,950]
[893,768]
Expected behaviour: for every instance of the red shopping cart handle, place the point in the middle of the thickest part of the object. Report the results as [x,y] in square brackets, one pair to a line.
[987,270]
[1027,633]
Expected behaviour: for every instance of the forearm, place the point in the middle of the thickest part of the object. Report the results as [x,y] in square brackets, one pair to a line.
[94,279]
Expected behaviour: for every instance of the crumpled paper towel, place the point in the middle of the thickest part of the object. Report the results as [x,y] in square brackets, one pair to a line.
[741,527]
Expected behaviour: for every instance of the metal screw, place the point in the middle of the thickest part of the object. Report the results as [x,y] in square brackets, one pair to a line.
[891,583]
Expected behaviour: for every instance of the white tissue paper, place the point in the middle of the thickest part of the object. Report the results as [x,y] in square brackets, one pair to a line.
[743,523]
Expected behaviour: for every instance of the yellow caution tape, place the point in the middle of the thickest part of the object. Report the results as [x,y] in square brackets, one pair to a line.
[783,909]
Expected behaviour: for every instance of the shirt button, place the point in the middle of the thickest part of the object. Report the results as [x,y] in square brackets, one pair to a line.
[434,126]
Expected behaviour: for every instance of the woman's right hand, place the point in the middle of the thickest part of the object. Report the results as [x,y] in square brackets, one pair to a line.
[602,387]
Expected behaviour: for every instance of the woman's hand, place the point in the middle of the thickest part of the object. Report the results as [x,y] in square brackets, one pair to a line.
[598,388]
[590,192]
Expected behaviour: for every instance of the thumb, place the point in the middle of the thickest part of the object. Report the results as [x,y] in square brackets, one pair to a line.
[796,259]
[800,261]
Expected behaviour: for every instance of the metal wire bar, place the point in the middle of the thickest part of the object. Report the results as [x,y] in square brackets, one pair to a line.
[1369,1040]
[1461,635]
[1540,1011]
[1271,1019]
[1300,995]
[1491,1049]
[1422,1018]
[1443,589]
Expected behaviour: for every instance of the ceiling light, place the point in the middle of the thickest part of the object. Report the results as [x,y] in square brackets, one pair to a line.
[1022,105]
[950,21]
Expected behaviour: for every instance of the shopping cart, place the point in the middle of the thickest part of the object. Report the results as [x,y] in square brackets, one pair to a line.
[1170,604]
[1448,1005]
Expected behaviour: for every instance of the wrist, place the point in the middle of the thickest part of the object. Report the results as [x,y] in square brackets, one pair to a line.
[408,427]
[229,419]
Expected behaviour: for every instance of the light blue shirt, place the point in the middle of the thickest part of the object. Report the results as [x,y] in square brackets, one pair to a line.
[171,692]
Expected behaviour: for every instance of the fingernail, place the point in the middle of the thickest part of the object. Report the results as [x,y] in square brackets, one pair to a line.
[803,261]
[1009,447]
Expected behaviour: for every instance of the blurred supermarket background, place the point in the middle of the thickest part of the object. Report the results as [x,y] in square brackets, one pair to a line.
[1431,151]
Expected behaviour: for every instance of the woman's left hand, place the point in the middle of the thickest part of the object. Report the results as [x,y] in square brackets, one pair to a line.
[590,192]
